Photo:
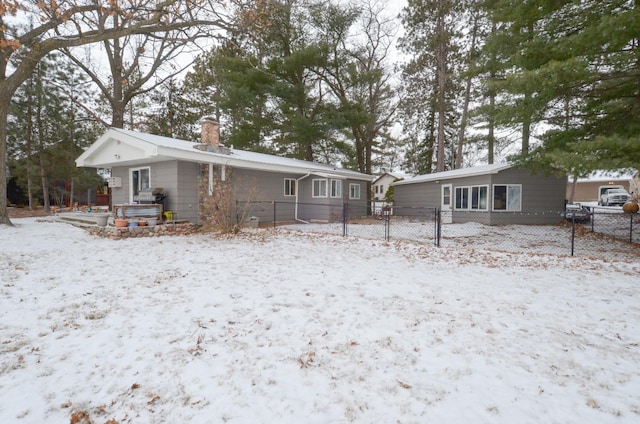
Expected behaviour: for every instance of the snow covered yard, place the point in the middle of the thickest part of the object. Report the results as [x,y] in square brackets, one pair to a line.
[283,326]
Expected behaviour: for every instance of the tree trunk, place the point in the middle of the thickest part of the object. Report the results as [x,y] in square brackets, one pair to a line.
[491,142]
[526,128]
[45,185]
[442,87]
[5,99]
[42,148]
[465,106]
[572,194]
[29,158]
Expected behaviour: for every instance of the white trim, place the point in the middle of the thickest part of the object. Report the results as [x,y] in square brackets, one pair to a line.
[338,184]
[446,213]
[351,186]
[462,189]
[457,173]
[154,148]
[313,188]
[295,187]
[506,209]
[469,190]
[131,188]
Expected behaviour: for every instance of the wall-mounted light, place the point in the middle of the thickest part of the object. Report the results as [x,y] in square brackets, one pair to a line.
[117,156]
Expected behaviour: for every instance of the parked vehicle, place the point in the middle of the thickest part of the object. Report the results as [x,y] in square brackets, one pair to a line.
[603,189]
[614,196]
[575,212]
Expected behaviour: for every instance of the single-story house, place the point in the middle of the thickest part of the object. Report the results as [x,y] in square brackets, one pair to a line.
[489,194]
[190,174]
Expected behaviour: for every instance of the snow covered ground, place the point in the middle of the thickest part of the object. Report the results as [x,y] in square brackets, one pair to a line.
[285,326]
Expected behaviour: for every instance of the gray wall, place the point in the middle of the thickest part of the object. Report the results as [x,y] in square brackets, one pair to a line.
[267,187]
[542,197]
[262,189]
[178,179]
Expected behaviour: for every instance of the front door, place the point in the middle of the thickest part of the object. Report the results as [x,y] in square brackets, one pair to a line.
[445,209]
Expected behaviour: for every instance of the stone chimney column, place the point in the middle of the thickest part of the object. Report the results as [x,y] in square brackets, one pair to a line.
[210,131]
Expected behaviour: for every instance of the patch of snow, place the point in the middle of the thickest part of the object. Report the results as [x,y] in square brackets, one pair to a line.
[286,326]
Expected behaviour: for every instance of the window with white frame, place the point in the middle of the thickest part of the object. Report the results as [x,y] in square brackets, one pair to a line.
[319,188]
[507,197]
[289,187]
[140,180]
[473,198]
[354,191]
[462,198]
[479,198]
[336,188]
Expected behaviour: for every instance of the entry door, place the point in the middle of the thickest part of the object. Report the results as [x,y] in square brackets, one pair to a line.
[445,209]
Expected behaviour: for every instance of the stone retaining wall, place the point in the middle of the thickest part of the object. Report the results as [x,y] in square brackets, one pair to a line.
[117,233]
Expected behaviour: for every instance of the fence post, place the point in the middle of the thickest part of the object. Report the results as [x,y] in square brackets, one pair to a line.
[274,213]
[631,228]
[573,232]
[345,209]
[438,221]
[387,225]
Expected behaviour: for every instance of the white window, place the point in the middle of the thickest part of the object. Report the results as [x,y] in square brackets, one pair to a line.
[473,198]
[336,188]
[354,191]
[462,198]
[319,188]
[479,198]
[446,195]
[507,197]
[140,180]
[289,187]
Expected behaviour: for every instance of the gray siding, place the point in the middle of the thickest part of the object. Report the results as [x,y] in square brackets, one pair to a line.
[542,197]
[179,180]
[120,195]
[184,201]
[426,194]
[262,189]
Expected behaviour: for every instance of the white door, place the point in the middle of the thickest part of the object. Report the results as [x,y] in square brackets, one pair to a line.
[445,209]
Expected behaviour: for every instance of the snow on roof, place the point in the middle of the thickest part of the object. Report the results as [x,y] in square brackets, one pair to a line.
[601,175]
[238,157]
[456,173]
[397,175]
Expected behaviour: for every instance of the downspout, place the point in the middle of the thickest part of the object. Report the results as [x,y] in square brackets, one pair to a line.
[295,216]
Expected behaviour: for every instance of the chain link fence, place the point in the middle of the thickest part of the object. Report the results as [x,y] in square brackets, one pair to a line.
[605,233]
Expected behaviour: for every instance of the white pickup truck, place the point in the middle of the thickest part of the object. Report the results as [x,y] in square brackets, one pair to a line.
[613,196]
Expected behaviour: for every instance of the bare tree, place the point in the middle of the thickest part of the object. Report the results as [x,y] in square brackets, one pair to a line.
[59,26]
[358,75]
[137,64]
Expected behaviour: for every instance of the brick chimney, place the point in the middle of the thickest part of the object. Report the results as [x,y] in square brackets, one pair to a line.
[210,131]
